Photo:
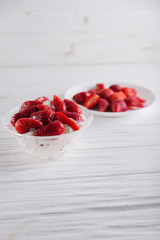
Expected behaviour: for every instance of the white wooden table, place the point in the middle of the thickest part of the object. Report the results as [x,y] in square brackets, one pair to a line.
[108,185]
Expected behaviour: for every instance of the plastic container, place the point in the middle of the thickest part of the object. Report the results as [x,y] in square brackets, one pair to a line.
[46,147]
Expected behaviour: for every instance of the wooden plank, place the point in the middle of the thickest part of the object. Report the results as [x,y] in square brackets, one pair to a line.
[79,32]
[105,187]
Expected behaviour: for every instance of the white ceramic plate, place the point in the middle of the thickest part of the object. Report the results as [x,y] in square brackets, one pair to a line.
[142,92]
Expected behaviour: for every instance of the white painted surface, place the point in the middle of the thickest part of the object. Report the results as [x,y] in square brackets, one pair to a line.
[107,185]
[60,32]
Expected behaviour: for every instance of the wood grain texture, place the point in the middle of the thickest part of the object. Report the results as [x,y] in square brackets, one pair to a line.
[107,185]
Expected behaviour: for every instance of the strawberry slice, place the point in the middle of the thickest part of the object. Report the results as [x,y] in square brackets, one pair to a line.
[51,129]
[27,105]
[91,101]
[23,125]
[23,114]
[65,120]
[92,91]
[117,95]
[43,107]
[141,99]
[105,93]
[115,87]
[72,106]
[41,99]
[103,105]
[129,91]
[45,116]
[80,97]
[133,103]
[76,116]
[97,88]
[58,104]
[118,105]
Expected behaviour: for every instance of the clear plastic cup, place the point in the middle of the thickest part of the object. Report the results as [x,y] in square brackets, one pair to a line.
[46,147]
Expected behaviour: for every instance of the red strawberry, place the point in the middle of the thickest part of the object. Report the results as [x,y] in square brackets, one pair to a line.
[51,129]
[76,116]
[133,103]
[118,105]
[105,93]
[59,105]
[80,97]
[117,95]
[97,88]
[115,88]
[129,91]
[72,106]
[27,105]
[23,114]
[103,105]
[64,119]
[91,101]
[45,116]
[41,99]
[23,125]
[141,99]
[43,107]
[92,91]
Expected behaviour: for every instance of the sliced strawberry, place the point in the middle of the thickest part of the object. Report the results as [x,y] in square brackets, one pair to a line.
[103,105]
[133,103]
[97,88]
[105,93]
[92,91]
[45,116]
[80,97]
[141,99]
[51,129]
[76,116]
[65,120]
[91,101]
[43,107]
[72,106]
[59,105]
[41,99]
[23,114]
[117,95]
[115,87]
[129,91]
[118,105]
[23,125]
[27,105]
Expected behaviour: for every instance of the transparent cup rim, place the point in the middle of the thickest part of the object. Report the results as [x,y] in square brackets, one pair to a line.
[5,121]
